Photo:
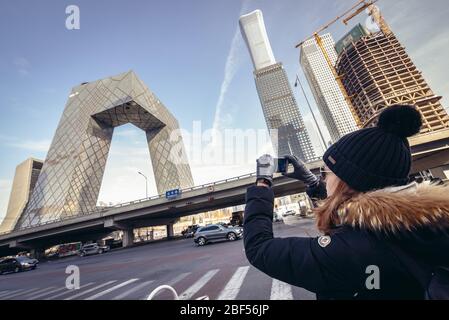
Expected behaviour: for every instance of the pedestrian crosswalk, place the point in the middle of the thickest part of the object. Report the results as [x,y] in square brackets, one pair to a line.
[102,293]
[217,284]
[38,292]
[133,289]
[232,289]
[66,291]
[12,293]
[281,291]
[90,290]
[45,293]
[22,292]
[194,288]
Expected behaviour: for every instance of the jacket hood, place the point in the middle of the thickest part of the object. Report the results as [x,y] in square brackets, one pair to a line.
[415,217]
[395,210]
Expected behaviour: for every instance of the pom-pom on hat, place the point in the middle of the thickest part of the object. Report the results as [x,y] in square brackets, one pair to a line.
[378,157]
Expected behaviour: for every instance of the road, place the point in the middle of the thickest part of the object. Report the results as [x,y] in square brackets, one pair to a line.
[218,270]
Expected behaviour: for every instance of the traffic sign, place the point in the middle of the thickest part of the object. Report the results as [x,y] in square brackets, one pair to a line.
[172,194]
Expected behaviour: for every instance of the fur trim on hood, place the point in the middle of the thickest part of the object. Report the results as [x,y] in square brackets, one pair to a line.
[393,210]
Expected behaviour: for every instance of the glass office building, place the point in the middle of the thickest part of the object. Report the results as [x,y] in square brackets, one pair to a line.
[281,113]
[25,179]
[276,97]
[329,99]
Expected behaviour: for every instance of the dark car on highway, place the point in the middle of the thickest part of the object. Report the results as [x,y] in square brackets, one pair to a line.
[217,232]
[190,231]
[17,264]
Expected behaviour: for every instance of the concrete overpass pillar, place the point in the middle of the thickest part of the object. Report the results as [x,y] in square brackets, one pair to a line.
[128,237]
[37,253]
[170,231]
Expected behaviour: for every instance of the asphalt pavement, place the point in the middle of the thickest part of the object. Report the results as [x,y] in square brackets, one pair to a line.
[217,270]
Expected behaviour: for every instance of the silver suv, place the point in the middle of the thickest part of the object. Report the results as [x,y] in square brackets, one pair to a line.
[92,248]
[217,232]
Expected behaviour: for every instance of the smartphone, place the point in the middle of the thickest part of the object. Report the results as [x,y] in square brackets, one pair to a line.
[282,165]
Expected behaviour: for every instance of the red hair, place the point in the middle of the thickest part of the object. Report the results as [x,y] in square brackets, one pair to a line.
[327,211]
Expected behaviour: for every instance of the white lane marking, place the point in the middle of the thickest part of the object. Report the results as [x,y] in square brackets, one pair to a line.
[127,293]
[232,288]
[305,295]
[69,291]
[7,293]
[90,290]
[39,291]
[178,278]
[40,295]
[102,293]
[20,293]
[186,295]
[281,291]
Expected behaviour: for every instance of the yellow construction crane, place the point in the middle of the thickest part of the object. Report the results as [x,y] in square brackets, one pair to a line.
[359,7]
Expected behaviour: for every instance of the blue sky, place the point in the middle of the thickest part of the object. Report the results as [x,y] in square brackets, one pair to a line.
[184,51]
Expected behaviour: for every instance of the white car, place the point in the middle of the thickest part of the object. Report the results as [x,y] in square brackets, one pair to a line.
[92,248]
[277,217]
[289,213]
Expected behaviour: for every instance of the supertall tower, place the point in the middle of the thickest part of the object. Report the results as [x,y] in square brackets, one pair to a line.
[377,72]
[330,101]
[278,103]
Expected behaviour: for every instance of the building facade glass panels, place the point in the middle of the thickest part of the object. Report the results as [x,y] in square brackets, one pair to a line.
[70,180]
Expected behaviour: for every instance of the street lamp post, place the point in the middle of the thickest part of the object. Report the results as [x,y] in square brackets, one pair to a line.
[146,183]
[310,108]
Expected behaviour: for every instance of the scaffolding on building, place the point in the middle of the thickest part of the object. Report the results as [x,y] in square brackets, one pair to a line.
[379,73]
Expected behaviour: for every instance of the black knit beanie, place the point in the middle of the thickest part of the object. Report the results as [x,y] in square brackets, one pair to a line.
[378,157]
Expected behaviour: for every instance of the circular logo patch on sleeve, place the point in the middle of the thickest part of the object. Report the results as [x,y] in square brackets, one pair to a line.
[324,241]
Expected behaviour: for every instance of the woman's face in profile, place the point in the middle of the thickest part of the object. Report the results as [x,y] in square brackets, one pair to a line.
[331,181]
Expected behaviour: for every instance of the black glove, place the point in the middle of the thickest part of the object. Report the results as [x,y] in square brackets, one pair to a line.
[266,168]
[301,172]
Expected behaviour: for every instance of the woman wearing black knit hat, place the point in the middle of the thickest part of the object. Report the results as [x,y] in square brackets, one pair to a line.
[382,238]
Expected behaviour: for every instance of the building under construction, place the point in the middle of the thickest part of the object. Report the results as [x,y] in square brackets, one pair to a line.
[377,72]
[373,72]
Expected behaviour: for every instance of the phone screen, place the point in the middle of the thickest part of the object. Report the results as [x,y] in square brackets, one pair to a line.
[282,165]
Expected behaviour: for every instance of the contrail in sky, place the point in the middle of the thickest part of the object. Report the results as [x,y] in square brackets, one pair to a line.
[232,63]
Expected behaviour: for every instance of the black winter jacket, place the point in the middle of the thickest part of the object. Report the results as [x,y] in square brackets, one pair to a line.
[338,265]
